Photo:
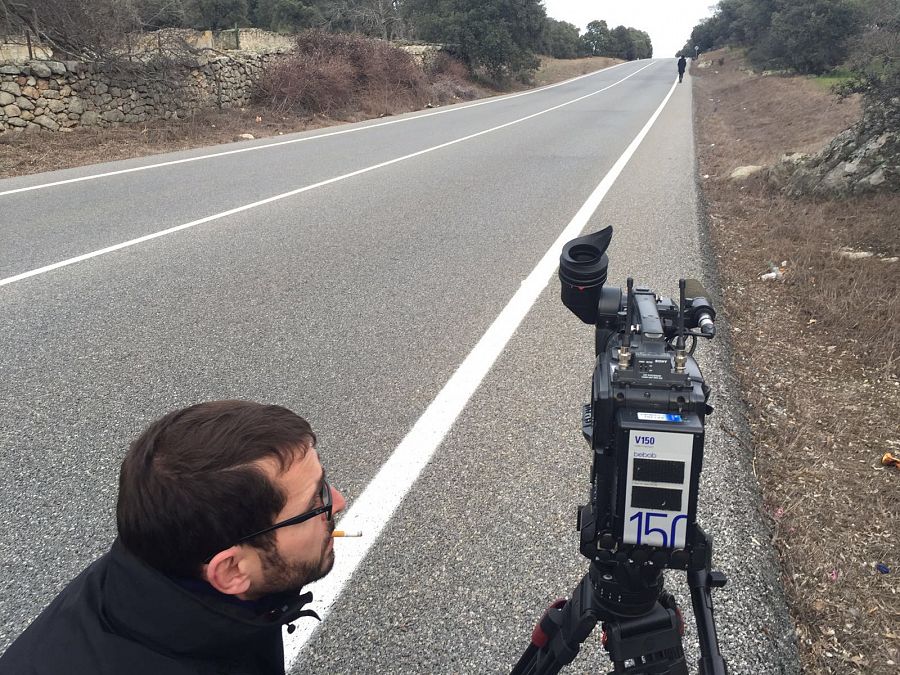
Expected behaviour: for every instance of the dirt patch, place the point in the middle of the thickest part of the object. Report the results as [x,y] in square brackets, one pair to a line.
[24,153]
[818,357]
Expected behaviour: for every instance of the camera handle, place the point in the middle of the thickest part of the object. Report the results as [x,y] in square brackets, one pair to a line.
[652,640]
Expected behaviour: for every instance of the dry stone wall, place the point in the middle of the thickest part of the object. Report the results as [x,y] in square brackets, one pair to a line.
[62,95]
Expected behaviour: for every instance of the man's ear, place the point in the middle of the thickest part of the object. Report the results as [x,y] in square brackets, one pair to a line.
[227,571]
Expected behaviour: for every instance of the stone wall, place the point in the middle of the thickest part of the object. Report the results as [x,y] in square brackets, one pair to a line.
[254,40]
[58,96]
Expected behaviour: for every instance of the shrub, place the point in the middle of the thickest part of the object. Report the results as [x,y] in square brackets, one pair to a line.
[329,72]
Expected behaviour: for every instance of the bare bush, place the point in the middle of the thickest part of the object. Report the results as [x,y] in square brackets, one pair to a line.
[327,72]
[450,79]
[85,29]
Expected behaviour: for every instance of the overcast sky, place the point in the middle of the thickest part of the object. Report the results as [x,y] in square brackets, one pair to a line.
[669,22]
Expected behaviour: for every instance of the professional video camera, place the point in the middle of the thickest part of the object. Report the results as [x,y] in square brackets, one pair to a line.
[645,426]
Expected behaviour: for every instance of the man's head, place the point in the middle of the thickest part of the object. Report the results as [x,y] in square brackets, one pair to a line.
[199,481]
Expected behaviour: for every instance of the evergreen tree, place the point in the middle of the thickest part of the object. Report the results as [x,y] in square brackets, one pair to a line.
[497,35]
[216,14]
[561,40]
[597,38]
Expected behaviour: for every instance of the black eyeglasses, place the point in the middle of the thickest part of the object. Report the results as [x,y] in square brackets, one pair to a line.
[326,508]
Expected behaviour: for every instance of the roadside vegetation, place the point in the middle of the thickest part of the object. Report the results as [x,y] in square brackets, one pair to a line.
[499,40]
[811,289]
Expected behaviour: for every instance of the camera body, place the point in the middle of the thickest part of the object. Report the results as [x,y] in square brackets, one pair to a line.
[645,425]
[646,419]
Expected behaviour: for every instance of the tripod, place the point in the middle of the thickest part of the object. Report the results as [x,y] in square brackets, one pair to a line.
[642,626]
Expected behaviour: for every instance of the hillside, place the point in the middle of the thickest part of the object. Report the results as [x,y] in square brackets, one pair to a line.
[815,354]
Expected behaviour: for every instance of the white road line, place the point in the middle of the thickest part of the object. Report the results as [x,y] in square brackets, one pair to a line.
[377,503]
[291,141]
[285,195]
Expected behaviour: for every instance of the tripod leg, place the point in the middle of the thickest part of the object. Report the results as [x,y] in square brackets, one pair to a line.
[558,636]
[701,583]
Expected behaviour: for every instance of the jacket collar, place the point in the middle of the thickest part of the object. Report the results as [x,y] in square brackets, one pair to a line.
[148,606]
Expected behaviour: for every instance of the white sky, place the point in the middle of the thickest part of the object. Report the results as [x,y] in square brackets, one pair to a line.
[669,22]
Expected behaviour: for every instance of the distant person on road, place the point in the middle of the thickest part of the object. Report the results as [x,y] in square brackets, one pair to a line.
[682,64]
[224,515]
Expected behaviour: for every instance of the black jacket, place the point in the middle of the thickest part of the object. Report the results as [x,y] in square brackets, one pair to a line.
[121,617]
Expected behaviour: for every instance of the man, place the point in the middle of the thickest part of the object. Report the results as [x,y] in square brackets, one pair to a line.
[224,514]
[682,64]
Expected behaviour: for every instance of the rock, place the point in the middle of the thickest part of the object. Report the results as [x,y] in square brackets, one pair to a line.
[27,115]
[744,172]
[24,103]
[12,110]
[6,98]
[50,93]
[47,122]
[873,180]
[40,69]
[42,85]
[100,88]
[56,67]
[10,70]
[17,122]
[113,115]
[247,137]
[76,105]
[65,91]
[90,118]
[11,88]
[56,106]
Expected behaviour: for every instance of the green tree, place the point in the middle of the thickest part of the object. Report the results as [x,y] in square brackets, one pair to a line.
[597,38]
[561,40]
[875,55]
[811,36]
[285,16]
[499,36]
[641,47]
[216,14]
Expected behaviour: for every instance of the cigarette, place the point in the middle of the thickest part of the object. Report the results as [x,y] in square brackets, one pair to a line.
[342,533]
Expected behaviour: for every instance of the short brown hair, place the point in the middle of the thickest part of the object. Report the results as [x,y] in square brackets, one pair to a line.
[191,485]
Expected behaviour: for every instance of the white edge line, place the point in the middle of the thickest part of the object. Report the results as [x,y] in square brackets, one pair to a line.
[376,504]
[291,193]
[265,146]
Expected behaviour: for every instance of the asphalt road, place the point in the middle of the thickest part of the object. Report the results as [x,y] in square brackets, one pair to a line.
[379,255]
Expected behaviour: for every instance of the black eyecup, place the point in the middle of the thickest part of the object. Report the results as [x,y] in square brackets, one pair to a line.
[582,273]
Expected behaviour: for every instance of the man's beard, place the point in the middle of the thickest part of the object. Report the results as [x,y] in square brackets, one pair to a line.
[282,576]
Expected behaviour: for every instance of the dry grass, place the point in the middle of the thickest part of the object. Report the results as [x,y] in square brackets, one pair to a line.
[556,70]
[26,152]
[818,360]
